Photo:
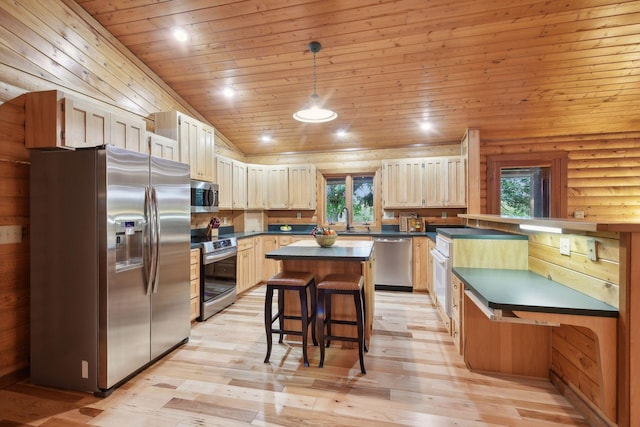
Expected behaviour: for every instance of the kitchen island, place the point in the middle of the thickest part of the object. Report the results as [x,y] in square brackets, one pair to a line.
[345,256]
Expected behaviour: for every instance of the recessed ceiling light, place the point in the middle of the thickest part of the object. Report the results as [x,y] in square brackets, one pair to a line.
[229,92]
[341,133]
[180,34]
[266,138]
[425,126]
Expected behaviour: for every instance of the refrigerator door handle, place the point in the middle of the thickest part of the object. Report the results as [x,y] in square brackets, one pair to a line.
[156,239]
[148,261]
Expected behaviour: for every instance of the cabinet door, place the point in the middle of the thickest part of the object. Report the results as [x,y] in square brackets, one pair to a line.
[204,153]
[256,186]
[421,268]
[269,266]
[456,187]
[224,172]
[239,184]
[195,283]
[245,276]
[391,176]
[163,147]
[188,140]
[85,124]
[434,181]
[278,187]
[402,183]
[129,133]
[302,187]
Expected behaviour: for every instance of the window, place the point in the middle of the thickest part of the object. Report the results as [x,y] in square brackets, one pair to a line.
[527,184]
[525,192]
[355,193]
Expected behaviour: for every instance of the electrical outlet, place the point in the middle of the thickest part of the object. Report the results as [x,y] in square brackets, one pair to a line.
[299,215]
[592,249]
[565,246]
[444,214]
[10,234]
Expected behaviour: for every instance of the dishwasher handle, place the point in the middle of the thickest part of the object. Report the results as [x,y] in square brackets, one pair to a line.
[390,239]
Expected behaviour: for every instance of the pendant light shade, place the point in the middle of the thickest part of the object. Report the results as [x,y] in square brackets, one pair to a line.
[313,112]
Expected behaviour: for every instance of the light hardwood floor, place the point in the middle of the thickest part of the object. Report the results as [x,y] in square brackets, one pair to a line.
[414,377]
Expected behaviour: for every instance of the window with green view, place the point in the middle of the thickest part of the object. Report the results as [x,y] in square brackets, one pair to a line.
[352,192]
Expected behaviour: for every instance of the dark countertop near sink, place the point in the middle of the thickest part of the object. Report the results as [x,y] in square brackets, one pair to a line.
[385,233]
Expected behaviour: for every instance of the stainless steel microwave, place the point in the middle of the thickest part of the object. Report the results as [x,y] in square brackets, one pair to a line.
[204,196]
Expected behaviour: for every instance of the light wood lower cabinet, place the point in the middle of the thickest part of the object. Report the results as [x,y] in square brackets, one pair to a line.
[269,266]
[421,267]
[245,277]
[195,283]
[457,287]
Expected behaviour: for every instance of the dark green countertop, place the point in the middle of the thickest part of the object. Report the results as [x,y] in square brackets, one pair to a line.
[479,233]
[309,250]
[523,290]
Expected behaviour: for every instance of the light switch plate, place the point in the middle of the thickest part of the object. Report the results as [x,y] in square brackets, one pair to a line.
[565,246]
[10,234]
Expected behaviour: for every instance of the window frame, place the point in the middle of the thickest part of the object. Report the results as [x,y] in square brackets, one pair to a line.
[348,176]
[555,161]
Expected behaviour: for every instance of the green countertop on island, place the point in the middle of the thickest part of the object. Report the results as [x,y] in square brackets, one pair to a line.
[523,290]
[346,250]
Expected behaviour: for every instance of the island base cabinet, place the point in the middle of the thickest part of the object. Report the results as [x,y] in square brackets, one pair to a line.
[342,306]
[504,347]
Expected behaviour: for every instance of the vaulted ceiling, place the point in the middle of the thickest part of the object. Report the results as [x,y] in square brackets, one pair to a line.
[512,68]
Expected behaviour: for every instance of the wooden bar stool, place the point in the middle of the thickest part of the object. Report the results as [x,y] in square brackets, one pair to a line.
[302,282]
[345,284]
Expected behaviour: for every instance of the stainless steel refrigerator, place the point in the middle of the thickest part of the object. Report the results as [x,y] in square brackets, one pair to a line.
[110,241]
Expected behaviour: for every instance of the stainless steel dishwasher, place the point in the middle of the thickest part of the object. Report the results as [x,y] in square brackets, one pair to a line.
[393,269]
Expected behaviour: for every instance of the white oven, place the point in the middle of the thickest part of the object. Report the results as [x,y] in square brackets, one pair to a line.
[442,273]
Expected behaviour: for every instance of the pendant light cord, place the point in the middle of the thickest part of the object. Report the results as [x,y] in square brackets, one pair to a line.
[314,73]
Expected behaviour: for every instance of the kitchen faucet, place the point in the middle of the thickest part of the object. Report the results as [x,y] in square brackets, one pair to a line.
[348,218]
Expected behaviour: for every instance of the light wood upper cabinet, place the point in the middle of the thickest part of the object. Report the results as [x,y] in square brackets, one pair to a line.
[85,124]
[278,187]
[456,194]
[256,186]
[163,147]
[129,133]
[195,140]
[445,182]
[56,120]
[291,187]
[239,185]
[402,183]
[302,187]
[224,173]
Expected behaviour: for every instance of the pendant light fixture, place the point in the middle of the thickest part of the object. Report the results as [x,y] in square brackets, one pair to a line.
[313,112]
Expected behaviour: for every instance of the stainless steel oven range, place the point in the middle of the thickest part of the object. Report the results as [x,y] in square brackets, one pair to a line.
[217,275]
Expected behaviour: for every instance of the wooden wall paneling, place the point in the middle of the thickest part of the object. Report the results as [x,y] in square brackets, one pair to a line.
[14,258]
[600,171]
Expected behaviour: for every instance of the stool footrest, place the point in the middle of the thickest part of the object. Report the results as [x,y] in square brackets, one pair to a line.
[341,338]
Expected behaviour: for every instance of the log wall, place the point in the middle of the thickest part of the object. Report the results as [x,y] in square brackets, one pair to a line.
[603,176]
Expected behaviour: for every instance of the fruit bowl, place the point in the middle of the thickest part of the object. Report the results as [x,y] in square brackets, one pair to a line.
[326,240]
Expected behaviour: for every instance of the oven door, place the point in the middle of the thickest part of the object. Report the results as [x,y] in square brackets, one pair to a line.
[441,279]
[217,283]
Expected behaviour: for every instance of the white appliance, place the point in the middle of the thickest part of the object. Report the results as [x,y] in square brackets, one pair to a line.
[442,272]
[110,243]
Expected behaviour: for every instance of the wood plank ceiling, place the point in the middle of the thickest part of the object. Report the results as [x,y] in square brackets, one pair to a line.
[513,69]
